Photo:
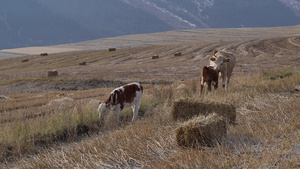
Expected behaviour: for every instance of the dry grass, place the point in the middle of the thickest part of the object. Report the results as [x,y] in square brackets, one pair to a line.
[267,134]
[34,135]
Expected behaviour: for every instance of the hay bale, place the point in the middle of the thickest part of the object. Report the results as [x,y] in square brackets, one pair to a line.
[25,60]
[184,109]
[62,101]
[201,131]
[2,97]
[52,73]
[155,57]
[82,63]
[177,54]
[112,49]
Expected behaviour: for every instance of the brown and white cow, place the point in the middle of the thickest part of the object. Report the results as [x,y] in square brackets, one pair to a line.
[120,98]
[210,76]
[224,63]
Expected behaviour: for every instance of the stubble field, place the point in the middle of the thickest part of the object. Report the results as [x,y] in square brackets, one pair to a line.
[38,134]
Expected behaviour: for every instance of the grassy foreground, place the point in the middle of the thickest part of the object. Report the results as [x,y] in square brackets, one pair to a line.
[267,134]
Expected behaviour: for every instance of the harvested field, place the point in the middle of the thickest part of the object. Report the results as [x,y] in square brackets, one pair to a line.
[264,91]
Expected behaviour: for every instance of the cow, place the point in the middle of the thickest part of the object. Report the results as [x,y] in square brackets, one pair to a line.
[224,63]
[120,98]
[210,76]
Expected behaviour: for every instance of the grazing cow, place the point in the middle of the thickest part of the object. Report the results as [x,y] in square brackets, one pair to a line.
[224,63]
[210,76]
[120,98]
[44,54]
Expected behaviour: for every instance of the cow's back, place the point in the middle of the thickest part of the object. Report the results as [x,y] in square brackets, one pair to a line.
[231,63]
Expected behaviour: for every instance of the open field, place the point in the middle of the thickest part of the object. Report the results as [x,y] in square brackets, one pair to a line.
[264,89]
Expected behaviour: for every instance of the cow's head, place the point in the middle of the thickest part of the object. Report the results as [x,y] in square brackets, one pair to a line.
[103,110]
[217,61]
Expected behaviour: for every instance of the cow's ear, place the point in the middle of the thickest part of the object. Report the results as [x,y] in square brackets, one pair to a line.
[227,60]
[212,59]
[215,51]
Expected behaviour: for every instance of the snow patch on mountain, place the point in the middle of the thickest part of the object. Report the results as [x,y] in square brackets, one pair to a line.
[293,4]
[176,14]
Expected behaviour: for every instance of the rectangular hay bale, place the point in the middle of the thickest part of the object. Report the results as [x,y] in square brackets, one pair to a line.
[201,131]
[184,109]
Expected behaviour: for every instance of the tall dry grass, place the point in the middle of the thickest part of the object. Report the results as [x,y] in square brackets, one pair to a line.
[267,134]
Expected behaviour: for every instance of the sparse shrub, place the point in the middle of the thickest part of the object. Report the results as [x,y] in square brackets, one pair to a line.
[201,131]
[187,108]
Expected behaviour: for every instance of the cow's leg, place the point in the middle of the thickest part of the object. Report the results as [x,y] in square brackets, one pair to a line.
[102,115]
[136,109]
[201,89]
[227,82]
[223,80]
[117,111]
[216,85]
[209,85]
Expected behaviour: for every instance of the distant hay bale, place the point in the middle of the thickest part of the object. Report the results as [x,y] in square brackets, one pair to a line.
[44,54]
[62,101]
[25,60]
[155,57]
[177,54]
[201,131]
[182,86]
[2,97]
[187,108]
[82,63]
[52,73]
[112,49]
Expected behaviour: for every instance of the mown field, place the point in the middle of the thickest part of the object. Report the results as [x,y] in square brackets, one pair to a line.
[37,133]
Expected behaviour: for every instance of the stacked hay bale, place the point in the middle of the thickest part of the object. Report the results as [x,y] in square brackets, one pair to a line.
[184,109]
[201,131]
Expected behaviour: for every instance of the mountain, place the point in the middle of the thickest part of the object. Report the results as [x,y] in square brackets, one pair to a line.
[50,22]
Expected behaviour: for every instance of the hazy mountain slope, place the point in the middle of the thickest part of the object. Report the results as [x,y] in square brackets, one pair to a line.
[49,22]
[255,13]
[107,18]
[27,23]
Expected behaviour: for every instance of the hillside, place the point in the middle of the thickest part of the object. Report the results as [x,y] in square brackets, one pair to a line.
[53,22]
